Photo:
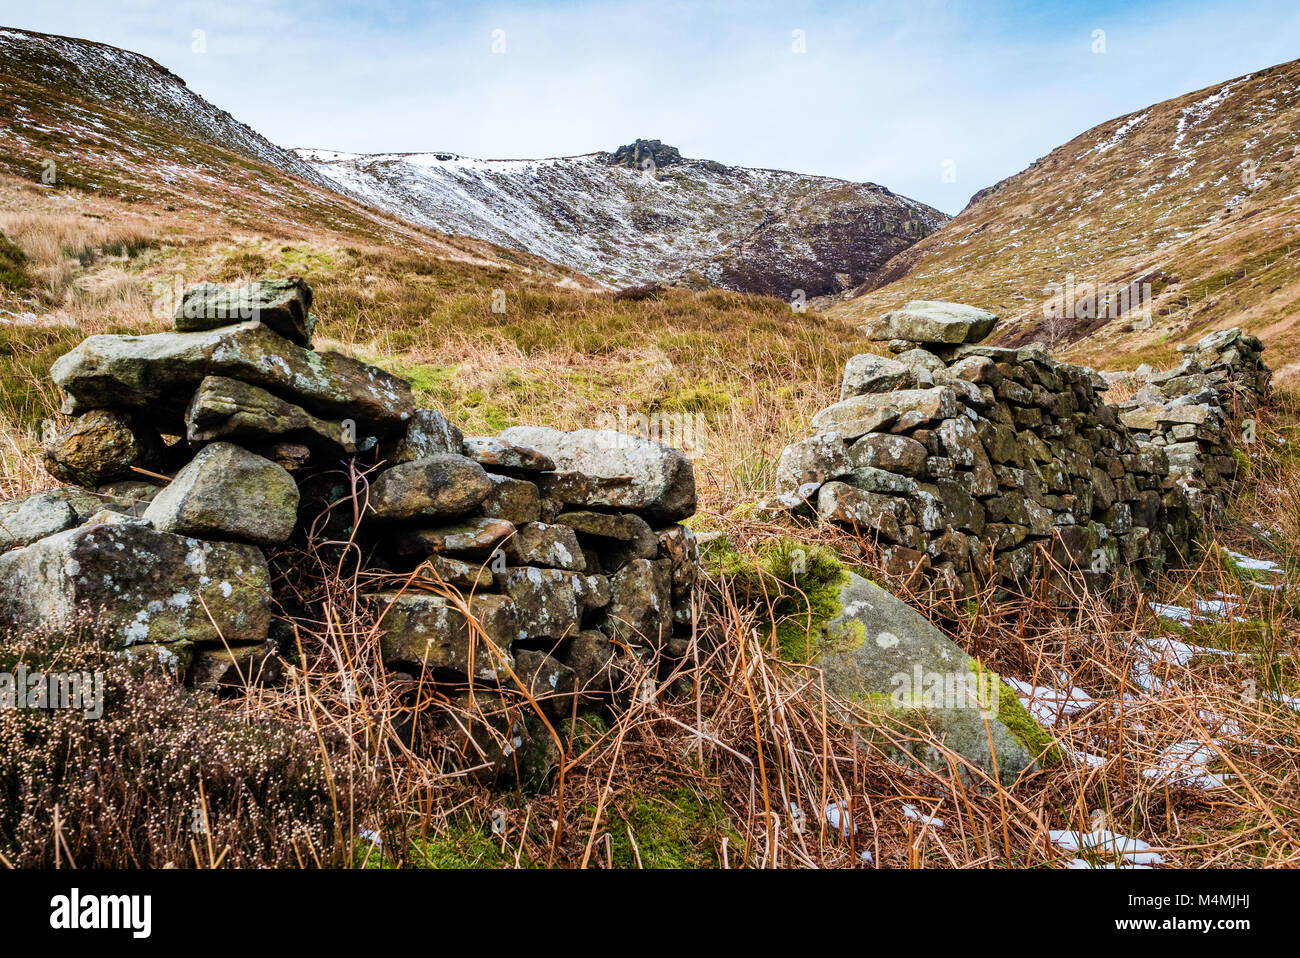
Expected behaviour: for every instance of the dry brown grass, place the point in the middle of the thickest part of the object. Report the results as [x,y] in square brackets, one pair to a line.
[746,731]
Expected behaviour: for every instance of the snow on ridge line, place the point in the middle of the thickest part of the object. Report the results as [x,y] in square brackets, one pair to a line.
[615,224]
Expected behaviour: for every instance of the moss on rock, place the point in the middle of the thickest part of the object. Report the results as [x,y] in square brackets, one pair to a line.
[1022,724]
[802,584]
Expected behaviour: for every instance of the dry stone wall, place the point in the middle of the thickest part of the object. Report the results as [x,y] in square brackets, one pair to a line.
[200,460]
[968,463]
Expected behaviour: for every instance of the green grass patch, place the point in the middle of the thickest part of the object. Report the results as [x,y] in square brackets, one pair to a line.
[13,266]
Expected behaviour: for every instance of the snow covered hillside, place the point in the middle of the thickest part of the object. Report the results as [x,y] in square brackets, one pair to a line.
[646,213]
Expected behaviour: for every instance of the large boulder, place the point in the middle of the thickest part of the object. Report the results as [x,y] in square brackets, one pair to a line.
[160,372]
[103,446]
[878,649]
[934,321]
[442,486]
[283,305]
[661,481]
[132,584]
[227,492]
[225,408]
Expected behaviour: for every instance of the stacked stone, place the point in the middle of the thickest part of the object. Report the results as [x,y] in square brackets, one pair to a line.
[1232,362]
[566,548]
[965,462]
[1197,412]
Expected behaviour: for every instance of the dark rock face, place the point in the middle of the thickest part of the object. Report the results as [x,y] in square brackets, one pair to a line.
[831,242]
[645,216]
[645,155]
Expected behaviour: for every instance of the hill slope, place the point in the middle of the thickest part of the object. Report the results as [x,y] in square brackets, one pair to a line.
[1199,196]
[646,213]
[110,123]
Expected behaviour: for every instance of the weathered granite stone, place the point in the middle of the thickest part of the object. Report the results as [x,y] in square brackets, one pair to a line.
[880,646]
[282,305]
[899,454]
[473,536]
[515,500]
[33,517]
[428,432]
[932,321]
[136,584]
[816,459]
[158,373]
[499,453]
[101,446]
[228,493]
[466,576]
[640,608]
[431,632]
[868,373]
[550,602]
[225,408]
[548,681]
[869,413]
[662,485]
[551,546]
[441,486]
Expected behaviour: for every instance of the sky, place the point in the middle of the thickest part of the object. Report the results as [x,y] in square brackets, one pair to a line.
[935,100]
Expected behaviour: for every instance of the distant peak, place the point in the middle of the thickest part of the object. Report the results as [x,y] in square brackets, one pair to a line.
[645,155]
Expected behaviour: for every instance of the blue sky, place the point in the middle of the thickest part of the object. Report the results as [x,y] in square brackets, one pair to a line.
[933,99]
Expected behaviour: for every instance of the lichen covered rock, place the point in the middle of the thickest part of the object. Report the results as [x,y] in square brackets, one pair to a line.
[101,446]
[130,584]
[227,492]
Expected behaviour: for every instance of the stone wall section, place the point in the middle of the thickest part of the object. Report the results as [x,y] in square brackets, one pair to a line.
[967,463]
[199,460]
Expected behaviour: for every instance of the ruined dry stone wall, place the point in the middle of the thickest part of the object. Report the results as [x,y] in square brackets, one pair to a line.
[201,461]
[968,463]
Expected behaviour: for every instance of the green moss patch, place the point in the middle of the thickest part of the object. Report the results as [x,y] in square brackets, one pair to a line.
[460,845]
[800,585]
[674,829]
[1022,724]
